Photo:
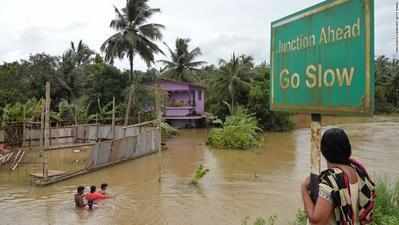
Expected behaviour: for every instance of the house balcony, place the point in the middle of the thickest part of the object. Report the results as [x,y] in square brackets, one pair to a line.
[181,113]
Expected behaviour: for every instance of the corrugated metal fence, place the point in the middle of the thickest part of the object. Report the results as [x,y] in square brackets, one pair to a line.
[129,147]
[129,143]
[88,133]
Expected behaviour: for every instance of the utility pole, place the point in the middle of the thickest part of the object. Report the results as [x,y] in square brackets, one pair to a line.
[397,27]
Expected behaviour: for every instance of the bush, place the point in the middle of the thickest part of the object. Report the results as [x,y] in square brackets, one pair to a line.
[167,130]
[258,103]
[240,131]
[387,204]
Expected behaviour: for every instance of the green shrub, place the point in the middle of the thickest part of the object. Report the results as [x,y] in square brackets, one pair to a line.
[167,130]
[200,172]
[261,221]
[240,131]
[387,204]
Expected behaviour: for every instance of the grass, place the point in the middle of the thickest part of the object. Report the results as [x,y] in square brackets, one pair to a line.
[387,204]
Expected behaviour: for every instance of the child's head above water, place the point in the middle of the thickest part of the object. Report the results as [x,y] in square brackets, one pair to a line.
[104,186]
[80,189]
[93,189]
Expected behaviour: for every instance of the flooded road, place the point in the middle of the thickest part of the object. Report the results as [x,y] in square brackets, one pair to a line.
[262,182]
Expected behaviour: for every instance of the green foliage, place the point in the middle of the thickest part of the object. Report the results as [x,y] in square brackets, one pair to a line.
[181,62]
[105,82]
[103,113]
[387,85]
[233,77]
[240,131]
[258,104]
[134,35]
[261,221]
[387,204]
[300,218]
[167,130]
[240,82]
[200,172]
[15,112]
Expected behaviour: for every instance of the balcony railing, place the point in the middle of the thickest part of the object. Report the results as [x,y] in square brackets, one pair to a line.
[179,111]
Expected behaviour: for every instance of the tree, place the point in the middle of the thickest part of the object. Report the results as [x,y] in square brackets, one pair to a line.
[387,84]
[104,81]
[71,75]
[182,60]
[235,74]
[134,35]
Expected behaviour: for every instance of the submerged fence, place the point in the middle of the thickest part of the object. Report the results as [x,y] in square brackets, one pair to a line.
[85,133]
[129,143]
[130,147]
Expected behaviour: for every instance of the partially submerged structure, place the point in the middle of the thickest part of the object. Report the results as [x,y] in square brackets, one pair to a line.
[85,147]
[184,105]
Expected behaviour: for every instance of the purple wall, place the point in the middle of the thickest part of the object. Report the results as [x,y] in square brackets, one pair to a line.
[180,92]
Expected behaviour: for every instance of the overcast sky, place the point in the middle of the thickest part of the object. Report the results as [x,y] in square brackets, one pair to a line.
[218,27]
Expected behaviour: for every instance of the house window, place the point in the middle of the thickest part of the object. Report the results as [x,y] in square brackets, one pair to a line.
[200,95]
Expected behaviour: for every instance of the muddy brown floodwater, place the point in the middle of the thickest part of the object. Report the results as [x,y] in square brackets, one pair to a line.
[262,182]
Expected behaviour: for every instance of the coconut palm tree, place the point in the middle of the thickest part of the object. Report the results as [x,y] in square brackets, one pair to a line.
[71,77]
[182,60]
[81,53]
[134,35]
[235,74]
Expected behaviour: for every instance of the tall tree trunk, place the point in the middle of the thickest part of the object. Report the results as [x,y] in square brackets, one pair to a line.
[131,88]
[231,90]
[131,58]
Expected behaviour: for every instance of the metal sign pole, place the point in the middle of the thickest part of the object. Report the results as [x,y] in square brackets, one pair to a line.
[315,128]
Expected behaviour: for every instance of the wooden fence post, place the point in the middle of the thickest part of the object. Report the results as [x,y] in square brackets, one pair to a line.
[129,103]
[158,124]
[113,118]
[46,130]
[23,126]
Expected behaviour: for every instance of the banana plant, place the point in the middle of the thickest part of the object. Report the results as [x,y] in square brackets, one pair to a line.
[104,112]
[199,174]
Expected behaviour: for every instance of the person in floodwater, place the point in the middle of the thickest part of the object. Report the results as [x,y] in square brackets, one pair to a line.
[79,197]
[346,193]
[104,187]
[93,197]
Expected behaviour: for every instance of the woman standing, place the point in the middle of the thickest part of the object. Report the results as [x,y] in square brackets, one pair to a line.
[346,192]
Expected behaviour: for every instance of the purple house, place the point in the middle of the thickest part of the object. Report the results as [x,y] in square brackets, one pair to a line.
[184,104]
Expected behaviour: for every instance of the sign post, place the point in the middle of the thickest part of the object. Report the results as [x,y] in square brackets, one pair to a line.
[323,63]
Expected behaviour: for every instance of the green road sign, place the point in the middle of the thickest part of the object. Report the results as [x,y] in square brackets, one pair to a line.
[323,59]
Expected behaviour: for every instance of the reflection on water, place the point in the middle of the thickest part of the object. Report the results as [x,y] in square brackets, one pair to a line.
[261,182]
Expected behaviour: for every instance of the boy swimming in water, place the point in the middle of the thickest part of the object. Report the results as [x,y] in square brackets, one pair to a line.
[94,196]
[104,187]
[79,197]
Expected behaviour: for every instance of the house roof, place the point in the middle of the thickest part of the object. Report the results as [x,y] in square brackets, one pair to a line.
[182,83]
